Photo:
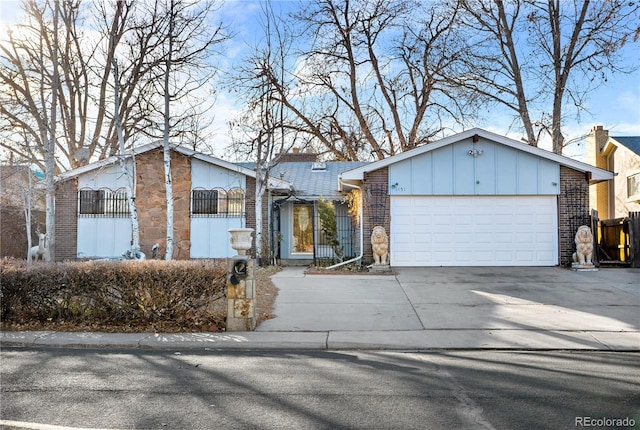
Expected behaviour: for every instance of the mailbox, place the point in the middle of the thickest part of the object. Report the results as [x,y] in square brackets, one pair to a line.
[238,271]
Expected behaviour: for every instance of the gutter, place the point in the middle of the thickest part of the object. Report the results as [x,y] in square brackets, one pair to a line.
[359,257]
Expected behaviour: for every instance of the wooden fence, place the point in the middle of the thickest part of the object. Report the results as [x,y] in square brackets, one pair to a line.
[617,241]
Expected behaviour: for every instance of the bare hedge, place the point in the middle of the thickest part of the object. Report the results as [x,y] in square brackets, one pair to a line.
[131,295]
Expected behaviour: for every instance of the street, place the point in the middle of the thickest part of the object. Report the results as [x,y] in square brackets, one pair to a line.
[60,388]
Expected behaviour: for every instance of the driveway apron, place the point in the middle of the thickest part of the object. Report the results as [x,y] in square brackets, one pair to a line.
[339,302]
[465,299]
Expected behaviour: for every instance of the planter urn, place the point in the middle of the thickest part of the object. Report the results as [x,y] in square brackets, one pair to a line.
[241,239]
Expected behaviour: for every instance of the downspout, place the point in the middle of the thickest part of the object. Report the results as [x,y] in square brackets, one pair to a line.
[359,257]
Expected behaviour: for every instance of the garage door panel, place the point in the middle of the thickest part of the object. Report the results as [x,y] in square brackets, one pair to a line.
[474,230]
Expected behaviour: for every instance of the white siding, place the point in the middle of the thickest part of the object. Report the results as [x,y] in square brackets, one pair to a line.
[103,237]
[209,235]
[210,238]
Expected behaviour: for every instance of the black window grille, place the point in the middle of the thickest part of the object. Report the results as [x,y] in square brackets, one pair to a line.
[217,202]
[204,202]
[103,203]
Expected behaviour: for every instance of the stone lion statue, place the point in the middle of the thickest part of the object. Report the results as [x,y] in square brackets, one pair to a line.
[380,245]
[584,246]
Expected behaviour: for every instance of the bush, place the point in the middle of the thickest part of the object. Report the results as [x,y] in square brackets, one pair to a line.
[115,295]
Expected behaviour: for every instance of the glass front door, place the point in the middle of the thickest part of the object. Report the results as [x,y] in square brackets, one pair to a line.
[303,229]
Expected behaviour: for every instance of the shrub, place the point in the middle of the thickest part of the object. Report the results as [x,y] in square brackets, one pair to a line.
[124,295]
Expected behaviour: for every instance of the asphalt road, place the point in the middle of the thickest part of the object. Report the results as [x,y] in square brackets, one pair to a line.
[57,389]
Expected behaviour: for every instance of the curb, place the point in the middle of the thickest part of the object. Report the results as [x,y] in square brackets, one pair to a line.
[337,340]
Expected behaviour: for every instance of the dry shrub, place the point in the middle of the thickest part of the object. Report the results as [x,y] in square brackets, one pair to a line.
[125,295]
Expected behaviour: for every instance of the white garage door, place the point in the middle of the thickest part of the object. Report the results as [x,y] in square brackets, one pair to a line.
[474,231]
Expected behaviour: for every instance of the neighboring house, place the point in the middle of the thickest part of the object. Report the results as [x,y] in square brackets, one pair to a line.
[16,181]
[477,199]
[210,196]
[616,198]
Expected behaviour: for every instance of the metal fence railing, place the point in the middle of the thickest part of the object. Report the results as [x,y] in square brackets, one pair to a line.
[104,202]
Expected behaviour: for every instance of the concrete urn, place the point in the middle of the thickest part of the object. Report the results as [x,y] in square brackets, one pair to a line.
[241,239]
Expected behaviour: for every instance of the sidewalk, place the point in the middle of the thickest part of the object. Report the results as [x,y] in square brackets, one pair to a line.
[419,309]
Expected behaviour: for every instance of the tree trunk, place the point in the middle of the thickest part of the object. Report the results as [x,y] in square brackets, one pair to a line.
[50,147]
[126,169]
[258,209]
[167,149]
[27,214]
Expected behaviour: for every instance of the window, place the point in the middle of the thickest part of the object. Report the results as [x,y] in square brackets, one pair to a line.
[91,202]
[204,202]
[633,186]
[235,199]
[217,202]
[103,202]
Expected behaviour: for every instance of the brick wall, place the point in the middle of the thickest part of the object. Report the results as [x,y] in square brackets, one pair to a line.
[250,213]
[573,210]
[152,204]
[66,220]
[376,208]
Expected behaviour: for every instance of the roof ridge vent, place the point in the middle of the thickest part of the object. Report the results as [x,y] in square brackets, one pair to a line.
[318,166]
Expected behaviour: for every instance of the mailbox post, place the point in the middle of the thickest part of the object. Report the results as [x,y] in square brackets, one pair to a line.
[241,293]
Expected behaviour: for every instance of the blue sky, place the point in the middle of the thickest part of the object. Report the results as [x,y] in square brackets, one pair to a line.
[615,104]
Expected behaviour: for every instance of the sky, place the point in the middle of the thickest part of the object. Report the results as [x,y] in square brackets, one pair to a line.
[615,104]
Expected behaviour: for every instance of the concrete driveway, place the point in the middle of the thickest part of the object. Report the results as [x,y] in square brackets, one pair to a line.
[464,307]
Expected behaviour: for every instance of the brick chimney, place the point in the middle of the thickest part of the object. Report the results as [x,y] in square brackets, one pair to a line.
[298,156]
[599,193]
[595,142]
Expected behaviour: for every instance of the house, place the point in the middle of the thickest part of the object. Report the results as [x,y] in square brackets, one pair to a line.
[210,196]
[616,198]
[472,199]
[476,199]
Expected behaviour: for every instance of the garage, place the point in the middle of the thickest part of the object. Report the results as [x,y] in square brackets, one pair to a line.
[476,199]
[474,231]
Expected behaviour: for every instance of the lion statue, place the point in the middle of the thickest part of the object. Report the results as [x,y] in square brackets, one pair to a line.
[584,246]
[380,245]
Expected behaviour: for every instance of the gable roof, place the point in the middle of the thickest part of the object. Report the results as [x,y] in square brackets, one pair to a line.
[631,142]
[597,175]
[275,183]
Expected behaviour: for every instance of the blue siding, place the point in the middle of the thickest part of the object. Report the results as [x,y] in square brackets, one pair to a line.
[487,170]
[403,178]
[495,170]
[464,170]
[422,175]
[442,173]
[506,171]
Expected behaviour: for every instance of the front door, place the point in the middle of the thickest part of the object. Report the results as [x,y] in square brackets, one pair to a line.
[303,229]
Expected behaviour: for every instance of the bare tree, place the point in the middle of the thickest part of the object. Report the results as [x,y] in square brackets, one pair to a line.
[187,40]
[92,35]
[50,143]
[125,166]
[260,132]
[534,57]
[373,76]
[166,148]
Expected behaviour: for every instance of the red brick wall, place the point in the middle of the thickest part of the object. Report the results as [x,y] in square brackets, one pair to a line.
[66,220]
[152,204]
[373,213]
[573,210]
